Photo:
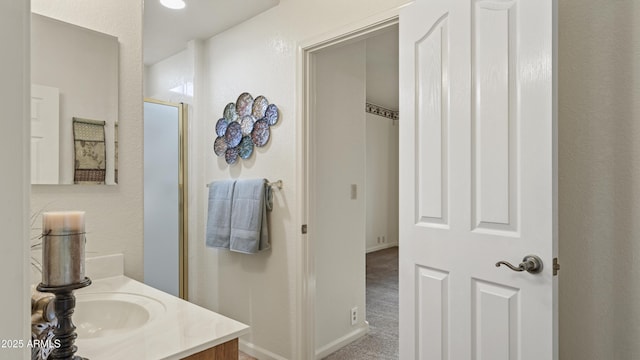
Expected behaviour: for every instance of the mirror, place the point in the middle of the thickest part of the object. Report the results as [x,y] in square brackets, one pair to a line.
[74,104]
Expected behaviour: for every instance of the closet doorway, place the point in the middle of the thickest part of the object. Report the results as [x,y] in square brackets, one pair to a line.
[353,196]
[165,194]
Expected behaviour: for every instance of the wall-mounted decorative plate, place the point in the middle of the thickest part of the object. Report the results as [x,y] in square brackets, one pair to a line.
[221,126]
[259,107]
[220,145]
[246,147]
[233,134]
[272,114]
[230,112]
[260,133]
[247,124]
[231,155]
[244,104]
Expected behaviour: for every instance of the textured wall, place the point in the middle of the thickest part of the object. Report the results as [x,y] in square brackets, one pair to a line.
[599,180]
[114,213]
[171,79]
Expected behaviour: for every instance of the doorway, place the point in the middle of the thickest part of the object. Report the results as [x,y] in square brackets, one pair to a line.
[353,197]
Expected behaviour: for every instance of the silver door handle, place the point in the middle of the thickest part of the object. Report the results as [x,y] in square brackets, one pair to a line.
[530,263]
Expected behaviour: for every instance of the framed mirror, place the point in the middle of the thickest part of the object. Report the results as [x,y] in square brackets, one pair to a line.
[74,105]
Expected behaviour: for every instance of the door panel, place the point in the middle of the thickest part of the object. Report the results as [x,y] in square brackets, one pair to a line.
[496,318]
[432,98]
[477,179]
[433,312]
[494,116]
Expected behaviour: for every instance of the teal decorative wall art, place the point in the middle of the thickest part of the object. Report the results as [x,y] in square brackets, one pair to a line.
[244,125]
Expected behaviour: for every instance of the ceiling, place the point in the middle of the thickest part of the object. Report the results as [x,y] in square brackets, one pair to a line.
[166,31]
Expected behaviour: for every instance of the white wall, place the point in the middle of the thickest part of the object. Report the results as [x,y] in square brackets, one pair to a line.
[382,141]
[599,180]
[259,56]
[83,65]
[382,69]
[114,213]
[14,182]
[171,79]
[338,219]
[382,182]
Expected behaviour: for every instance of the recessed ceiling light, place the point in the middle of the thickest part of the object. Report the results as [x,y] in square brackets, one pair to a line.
[173,4]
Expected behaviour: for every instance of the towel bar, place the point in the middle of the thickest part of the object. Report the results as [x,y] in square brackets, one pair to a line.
[277,184]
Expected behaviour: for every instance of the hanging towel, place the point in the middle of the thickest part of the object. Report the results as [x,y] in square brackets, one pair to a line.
[249,227]
[90,161]
[219,217]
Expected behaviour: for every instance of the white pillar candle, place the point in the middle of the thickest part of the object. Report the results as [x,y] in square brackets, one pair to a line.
[63,244]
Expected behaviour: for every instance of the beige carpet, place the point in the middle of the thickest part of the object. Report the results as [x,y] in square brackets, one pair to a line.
[382,311]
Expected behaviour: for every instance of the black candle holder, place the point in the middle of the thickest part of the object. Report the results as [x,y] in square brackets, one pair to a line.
[65,331]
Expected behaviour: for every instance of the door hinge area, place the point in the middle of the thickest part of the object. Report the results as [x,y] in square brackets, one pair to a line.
[304,228]
[556,266]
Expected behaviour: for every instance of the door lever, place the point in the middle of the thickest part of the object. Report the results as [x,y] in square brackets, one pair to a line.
[530,263]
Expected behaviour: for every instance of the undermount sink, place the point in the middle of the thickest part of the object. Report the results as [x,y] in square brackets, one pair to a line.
[111,314]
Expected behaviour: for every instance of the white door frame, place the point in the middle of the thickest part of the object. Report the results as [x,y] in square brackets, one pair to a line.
[305,336]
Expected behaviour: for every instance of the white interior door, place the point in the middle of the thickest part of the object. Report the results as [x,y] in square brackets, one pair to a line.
[477,179]
[45,134]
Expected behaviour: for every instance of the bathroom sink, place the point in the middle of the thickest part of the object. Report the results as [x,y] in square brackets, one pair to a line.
[112,314]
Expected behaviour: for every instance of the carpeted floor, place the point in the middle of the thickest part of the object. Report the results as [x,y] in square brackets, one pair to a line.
[382,311]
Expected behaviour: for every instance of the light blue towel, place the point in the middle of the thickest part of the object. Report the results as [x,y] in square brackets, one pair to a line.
[249,226]
[219,216]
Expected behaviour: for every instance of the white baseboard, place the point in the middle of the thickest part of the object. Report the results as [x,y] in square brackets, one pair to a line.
[258,352]
[381,247]
[337,344]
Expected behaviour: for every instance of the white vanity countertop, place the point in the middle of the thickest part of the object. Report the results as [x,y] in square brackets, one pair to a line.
[182,330]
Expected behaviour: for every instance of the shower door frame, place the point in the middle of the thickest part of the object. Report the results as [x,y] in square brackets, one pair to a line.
[183,206]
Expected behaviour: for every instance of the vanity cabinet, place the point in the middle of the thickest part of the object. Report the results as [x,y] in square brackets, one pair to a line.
[193,328]
[224,351]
